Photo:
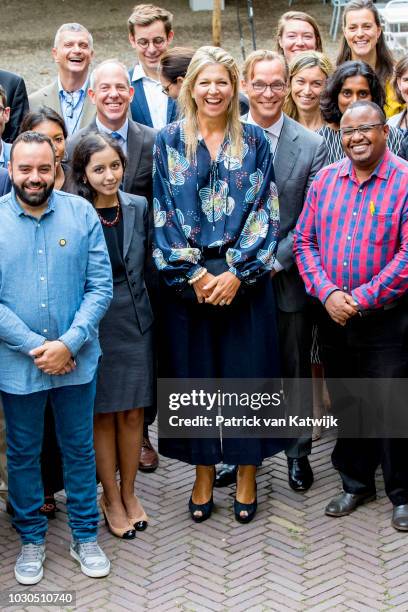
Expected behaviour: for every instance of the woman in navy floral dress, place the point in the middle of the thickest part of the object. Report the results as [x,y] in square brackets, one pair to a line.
[216,216]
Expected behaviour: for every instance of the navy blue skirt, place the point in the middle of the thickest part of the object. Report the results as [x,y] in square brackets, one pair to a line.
[204,341]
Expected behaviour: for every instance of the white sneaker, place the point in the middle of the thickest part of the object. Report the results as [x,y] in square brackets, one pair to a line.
[29,565]
[94,562]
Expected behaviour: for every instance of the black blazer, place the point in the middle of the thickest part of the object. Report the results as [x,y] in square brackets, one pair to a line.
[17,99]
[138,172]
[5,184]
[135,245]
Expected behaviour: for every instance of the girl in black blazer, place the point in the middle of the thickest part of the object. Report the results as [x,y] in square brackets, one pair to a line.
[125,377]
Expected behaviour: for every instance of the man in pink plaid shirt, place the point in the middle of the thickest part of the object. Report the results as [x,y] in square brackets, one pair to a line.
[351,248]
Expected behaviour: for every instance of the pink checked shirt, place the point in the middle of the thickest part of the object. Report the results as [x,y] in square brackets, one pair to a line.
[354,236]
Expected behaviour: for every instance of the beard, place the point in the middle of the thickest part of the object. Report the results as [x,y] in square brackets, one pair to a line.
[33,199]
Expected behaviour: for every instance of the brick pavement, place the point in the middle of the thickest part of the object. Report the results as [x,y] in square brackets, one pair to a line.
[290,558]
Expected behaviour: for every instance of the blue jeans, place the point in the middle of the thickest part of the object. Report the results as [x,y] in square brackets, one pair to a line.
[73,413]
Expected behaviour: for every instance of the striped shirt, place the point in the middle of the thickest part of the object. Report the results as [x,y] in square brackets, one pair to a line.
[354,236]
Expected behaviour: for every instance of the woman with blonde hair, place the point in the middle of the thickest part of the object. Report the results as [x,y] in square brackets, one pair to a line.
[216,229]
[297,32]
[308,72]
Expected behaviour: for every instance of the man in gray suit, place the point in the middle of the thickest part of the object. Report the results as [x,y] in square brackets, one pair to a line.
[111,93]
[67,95]
[298,155]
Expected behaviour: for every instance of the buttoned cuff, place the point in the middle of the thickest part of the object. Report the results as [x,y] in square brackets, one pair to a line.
[195,268]
[73,340]
[325,291]
[32,341]
[358,297]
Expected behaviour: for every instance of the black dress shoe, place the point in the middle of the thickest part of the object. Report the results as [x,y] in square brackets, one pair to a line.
[300,473]
[400,517]
[346,503]
[226,475]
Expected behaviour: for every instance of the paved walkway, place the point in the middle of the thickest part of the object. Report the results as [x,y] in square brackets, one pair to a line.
[291,557]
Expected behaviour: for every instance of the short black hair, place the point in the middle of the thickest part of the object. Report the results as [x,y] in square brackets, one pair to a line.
[44,113]
[329,105]
[29,138]
[367,103]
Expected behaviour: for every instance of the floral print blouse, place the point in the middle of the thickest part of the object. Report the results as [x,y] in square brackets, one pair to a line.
[227,207]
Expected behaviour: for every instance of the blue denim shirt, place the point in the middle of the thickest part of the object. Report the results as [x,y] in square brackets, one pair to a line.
[55,283]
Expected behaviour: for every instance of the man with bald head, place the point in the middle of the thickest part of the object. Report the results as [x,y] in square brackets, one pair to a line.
[111,94]
[351,248]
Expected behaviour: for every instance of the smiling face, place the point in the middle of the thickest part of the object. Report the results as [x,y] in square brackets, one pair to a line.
[213,92]
[104,172]
[403,86]
[111,95]
[32,173]
[361,33]
[73,53]
[150,42]
[306,88]
[354,89]
[55,134]
[266,106]
[365,150]
[297,36]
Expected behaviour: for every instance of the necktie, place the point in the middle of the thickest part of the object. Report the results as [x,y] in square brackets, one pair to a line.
[117,136]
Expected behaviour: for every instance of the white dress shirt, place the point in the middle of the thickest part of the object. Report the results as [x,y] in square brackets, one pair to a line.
[122,131]
[156,100]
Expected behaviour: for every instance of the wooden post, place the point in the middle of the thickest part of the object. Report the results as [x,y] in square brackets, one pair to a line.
[216,23]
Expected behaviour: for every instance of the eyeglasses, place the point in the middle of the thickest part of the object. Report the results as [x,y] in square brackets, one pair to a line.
[158,42]
[361,129]
[261,87]
[166,90]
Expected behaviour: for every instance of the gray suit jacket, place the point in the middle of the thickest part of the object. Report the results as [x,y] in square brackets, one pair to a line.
[138,172]
[49,96]
[299,155]
[135,245]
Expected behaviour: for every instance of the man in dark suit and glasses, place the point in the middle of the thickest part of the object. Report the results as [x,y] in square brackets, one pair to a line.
[16,94]
[298,154]
[111,93]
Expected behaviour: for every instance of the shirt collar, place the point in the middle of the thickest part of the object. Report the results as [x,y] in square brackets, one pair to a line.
[20,211]
[81,89]
[123,130]
[139,73]
[381,171]
[274,129]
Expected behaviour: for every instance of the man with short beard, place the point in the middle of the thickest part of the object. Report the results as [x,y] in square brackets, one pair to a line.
[55,286]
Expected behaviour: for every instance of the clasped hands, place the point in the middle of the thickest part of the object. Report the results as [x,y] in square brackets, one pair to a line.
[53,357]
[217,290]
[341,307]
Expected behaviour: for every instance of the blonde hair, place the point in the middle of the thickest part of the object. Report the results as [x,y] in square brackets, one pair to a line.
[146,14]
[259,56]
[306,59]
[203,57]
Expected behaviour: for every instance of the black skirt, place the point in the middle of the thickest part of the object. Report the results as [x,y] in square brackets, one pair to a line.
[125,375]
[205,341]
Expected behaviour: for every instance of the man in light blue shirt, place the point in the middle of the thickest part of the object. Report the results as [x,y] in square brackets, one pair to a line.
[55,286]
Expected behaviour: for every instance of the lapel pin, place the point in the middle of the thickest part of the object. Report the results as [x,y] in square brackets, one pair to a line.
[62,242]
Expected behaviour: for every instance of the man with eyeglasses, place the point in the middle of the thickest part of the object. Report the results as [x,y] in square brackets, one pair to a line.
[67,95]
[150,33]
[298,155]
[351,247]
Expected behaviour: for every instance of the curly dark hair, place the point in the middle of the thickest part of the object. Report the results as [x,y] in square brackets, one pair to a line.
[329,105]
[90,143]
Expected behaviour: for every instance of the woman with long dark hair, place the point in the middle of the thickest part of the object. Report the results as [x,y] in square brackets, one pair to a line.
[350,82]
[363,40]
[125,376]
